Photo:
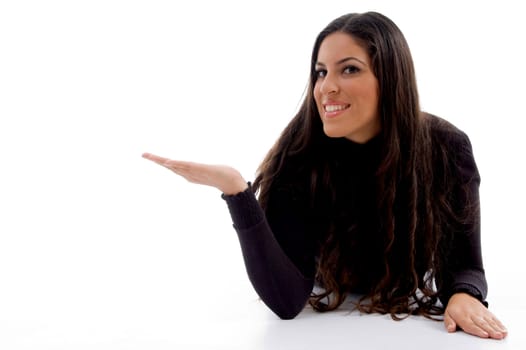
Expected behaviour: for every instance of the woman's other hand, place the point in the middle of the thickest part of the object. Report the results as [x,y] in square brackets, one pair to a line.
[469,314]
[226,179]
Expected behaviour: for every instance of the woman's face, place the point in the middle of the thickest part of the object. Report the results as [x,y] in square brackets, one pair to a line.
[346,90]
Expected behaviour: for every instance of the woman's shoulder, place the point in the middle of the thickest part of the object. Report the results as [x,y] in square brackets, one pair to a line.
[444,132]
[451,146]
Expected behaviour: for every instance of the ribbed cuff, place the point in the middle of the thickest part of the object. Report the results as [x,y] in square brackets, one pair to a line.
[469,289]
[244,208]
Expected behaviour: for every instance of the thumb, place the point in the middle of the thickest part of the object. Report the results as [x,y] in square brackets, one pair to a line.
[450,324]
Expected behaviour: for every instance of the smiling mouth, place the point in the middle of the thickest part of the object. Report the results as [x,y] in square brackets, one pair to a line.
[335,108]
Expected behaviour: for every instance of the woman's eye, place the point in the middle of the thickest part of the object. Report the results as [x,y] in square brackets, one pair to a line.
[351,70]
[321,73]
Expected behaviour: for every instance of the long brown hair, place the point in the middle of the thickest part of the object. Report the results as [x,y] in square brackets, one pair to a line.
[413,208]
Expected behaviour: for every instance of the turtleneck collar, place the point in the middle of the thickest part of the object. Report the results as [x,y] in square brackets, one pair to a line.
[344,147]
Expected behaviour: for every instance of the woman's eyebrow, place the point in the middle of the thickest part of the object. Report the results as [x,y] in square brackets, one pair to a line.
[343,60]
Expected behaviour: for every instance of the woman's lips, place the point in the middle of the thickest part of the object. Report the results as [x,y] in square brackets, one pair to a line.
[332,110]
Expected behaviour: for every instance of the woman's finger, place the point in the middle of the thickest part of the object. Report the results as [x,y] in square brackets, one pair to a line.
[155,158]
[180,165]
[472,327]
[167,162]
[451,325]
[488,325]
[499,324]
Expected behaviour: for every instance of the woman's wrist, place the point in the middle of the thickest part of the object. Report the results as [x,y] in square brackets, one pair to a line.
[238,186]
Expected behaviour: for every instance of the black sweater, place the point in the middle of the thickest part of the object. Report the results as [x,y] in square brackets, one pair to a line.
[280,246]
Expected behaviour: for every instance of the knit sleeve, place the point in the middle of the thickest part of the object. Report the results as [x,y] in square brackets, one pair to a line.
[464,266]
[278,255]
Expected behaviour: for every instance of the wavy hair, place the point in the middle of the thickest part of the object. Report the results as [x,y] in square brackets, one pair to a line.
[412,225]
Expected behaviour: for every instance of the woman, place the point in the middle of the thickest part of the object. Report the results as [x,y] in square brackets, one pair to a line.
[362,193]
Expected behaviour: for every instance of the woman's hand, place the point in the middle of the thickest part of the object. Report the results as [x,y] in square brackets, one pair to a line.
[469,314]
[228,180]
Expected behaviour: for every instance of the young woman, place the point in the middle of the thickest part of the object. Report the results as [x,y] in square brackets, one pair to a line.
[362,193]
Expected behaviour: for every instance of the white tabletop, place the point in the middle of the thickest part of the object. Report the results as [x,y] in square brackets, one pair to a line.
[231,318]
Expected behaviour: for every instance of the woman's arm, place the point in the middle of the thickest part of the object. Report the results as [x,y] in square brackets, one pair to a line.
[466,286]
[278,253]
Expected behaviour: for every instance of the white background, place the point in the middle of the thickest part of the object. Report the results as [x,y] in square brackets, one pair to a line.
[101,248]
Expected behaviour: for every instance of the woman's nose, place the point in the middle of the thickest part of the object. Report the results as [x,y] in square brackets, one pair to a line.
[329,85]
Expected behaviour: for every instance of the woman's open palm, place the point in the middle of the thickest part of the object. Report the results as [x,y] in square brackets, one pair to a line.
[227,179]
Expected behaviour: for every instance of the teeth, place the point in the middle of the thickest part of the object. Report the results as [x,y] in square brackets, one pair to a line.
[334,108]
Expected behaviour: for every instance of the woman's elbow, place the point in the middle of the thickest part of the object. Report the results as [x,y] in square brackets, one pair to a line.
[289,312]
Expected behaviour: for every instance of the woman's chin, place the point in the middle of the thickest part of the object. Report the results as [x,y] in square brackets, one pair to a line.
[332,133]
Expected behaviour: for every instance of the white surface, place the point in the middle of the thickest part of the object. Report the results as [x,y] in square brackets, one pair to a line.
[247,326]
[100,249]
